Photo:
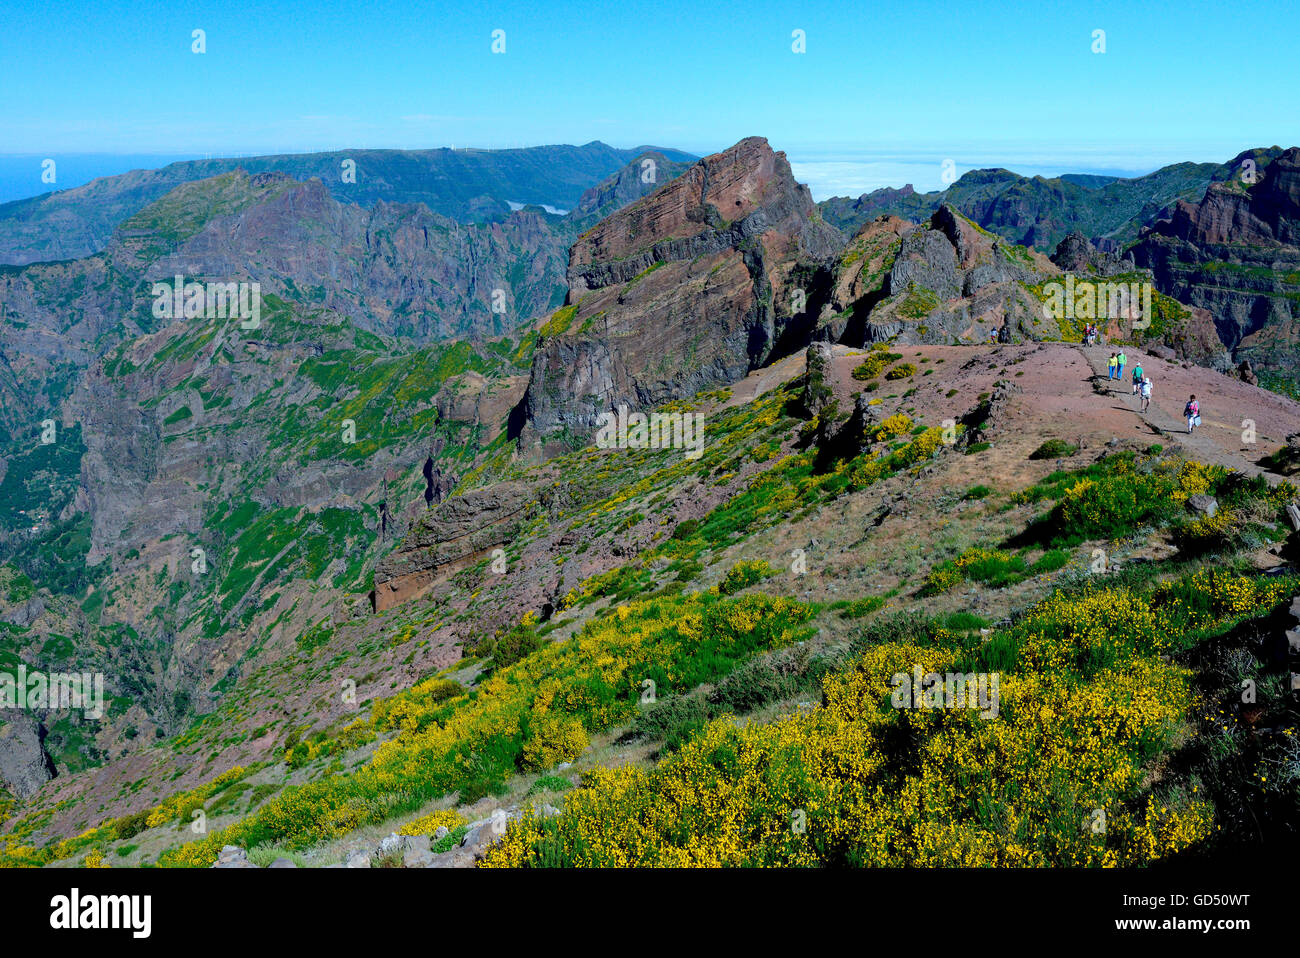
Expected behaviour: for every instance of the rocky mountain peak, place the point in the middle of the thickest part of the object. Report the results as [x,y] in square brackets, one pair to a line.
[747,190]
[692,286]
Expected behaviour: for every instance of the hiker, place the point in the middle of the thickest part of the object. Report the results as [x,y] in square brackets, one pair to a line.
[1110,365]
[1119,366]
[1146,393]
[1193,413]
[1137,378]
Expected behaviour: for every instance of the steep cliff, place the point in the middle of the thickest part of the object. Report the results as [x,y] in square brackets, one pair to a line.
[692,287]
[1236,254]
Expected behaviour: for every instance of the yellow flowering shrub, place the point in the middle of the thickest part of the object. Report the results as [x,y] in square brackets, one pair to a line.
[531,714]
[945,575]
[179,806]
[428,824]
[94,859]
[1210,532]
[553,739]
[744,574]
[1086,701]
[896,425]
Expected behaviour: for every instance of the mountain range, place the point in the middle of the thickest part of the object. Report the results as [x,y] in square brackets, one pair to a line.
[365,561]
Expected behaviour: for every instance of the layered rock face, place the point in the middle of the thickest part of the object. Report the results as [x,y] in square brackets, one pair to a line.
[1237,255]
[642,176]
[691,287]
[456,534]
[398,268]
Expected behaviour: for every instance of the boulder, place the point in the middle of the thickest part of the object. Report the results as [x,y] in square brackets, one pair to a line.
[1203,505]
[232,856]
[416,853]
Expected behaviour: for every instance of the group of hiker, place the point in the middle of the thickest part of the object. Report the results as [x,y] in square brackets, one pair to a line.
[1142,387]
[1090,334]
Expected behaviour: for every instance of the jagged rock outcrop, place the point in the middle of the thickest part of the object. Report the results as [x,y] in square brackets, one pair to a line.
[986,420]
[816,392]
[858,279]
[1077,254]
[952,281]
[456,534]
[855,436]
[24,764]
[691,287]
[1236,254]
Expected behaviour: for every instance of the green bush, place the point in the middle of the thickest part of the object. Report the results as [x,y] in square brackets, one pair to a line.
[859,607]
[743,575]
[550,783]
[128,826]
[686,528]
[1054,449]
[509,648]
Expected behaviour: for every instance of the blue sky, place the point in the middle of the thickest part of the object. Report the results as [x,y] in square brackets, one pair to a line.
[898,85]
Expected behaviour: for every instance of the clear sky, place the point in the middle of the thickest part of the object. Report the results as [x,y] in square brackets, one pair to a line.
[1011,83]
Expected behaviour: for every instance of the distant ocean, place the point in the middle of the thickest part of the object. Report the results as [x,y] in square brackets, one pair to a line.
[20,176]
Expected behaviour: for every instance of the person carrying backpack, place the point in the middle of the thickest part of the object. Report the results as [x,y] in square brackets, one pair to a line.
[1146,393]
[1193,413]
[1111,366]
[1137,378]
[1119,366]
